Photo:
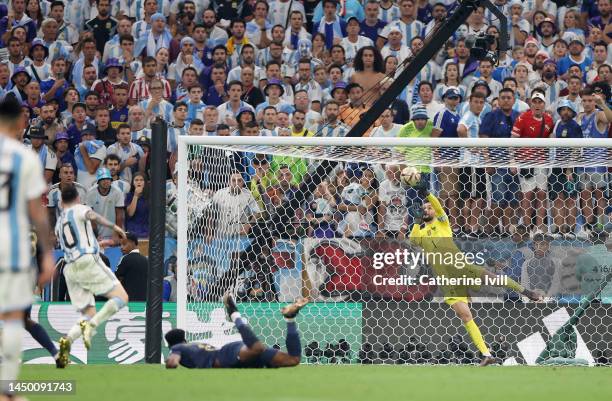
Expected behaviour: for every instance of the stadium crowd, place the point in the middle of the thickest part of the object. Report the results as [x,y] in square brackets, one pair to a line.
[93,75]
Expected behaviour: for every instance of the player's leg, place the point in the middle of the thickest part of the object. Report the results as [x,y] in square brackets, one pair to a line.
[40,335]
[15,297]
[475,271]
[103,282]
[461,308]
[253,347]
[292,341]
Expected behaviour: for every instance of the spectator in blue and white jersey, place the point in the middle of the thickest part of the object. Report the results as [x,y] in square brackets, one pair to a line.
[178,127]
[274,91]
[345,10]
[228,111]
[89,155]
[113,163]
[407,23]
[128,152]
[479,87]
[519,106]
[156,105]
[332,26]
[331,126]
[389,11]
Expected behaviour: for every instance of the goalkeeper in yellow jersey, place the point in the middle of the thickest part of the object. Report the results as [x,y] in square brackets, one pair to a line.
[432,232]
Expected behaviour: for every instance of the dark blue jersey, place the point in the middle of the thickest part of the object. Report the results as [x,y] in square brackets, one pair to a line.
[196,355]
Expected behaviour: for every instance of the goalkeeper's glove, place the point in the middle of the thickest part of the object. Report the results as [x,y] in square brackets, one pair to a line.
[416,211]
[422,189]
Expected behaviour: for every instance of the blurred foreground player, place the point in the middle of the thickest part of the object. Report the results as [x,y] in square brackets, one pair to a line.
[248,353]
[86,274]
[435,236]
[21,187]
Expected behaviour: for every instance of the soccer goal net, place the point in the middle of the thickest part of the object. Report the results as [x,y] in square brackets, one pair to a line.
[388,236]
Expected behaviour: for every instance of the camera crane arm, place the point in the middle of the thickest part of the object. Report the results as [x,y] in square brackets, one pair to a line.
[427,53]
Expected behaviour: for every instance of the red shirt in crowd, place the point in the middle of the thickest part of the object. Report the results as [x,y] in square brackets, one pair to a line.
[528,126]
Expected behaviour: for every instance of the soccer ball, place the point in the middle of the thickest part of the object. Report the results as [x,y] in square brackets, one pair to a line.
[410,176]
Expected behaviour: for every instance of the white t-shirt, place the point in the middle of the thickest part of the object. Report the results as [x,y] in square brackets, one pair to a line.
[392,133]
[394,198]
[233,211]
[105,206]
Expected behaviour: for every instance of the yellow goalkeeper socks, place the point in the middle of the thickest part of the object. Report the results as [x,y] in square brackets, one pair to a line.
[514,286]
[477,339]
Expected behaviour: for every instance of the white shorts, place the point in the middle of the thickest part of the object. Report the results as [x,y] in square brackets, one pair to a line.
[539,180]
[16,290]
[86,277]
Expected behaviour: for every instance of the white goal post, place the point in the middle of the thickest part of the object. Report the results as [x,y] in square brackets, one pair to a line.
[338,230]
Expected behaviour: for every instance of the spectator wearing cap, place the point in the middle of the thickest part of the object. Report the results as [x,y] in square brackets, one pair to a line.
[89,155]
[40,69]
[339,93]
[78,118]
[531,48]
[353,42]
[133,268]
[534,123]
[395,46]
[103,25]
[107,201]
[66,177]
[129,152]
[45,154]
[575,56]
[547,32]
[504,183]
[66,31]
[106,86]
[20,78]
[64,155]
[445,125]
[55,86]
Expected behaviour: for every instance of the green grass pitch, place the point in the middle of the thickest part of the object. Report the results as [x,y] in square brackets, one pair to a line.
[328,383]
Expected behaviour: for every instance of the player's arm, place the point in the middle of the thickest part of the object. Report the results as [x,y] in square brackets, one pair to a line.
[606,116]
[38,217]
[99,220]
[173,361]
[91,164]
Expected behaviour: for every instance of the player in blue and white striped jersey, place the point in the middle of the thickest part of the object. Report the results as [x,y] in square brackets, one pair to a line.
[86,275]
[21,188]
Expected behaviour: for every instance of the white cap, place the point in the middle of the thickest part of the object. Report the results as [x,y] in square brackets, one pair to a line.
[538,95]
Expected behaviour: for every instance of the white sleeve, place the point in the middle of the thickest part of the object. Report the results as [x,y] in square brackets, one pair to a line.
[51,162]
[100,153]
[32,174]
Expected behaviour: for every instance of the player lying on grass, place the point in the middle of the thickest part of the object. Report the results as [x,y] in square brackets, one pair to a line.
[434,235]
[248,353]
[86,275]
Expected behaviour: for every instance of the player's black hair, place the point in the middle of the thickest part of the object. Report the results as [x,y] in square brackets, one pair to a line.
[10,110]
[69,193]
[175,336]
[130,236]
